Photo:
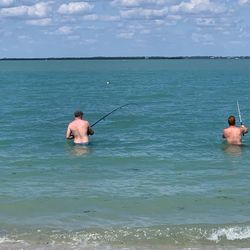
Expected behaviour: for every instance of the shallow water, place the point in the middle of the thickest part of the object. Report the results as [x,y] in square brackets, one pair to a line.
[156,174]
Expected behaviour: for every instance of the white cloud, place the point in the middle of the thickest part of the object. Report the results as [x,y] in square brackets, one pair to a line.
[91,17]
[175,17]
[65,30]
[244,2]
[126,35]
[75,8]
[94,17]
[244,34]
[38,10]
[205,21]
[136,3]
[109,18]
[202,38]
[130,31]
[218,24]
[159,22]
[140,13]
[40,22]
[14,11]
[6,2]
[197,6]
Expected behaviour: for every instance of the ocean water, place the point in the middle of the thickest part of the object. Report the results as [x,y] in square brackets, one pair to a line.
[156,175]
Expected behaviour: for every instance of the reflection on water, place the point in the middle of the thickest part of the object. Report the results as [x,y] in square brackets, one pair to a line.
[234,150]
[77,150]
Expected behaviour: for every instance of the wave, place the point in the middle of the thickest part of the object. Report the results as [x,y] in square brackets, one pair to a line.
[201,236]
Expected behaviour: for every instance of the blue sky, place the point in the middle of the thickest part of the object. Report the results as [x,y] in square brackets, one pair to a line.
[64,28]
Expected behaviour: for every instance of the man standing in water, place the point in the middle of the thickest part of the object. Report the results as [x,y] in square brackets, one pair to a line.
[79,130]
[233,134]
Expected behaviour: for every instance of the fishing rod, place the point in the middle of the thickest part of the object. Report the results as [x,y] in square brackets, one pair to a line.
[241,123]
[238,106]
[102,118]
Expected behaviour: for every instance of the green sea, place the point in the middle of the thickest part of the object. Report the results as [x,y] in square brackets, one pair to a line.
[156,175]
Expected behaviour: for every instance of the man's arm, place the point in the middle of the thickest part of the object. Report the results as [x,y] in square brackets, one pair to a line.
[223,135]
[90,131]
[69,134]
[244,130]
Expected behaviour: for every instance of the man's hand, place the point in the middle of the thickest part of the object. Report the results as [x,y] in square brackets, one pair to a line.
[90,131]
[244,129]
[71,136]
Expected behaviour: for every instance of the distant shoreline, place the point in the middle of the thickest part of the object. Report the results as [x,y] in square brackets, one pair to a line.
[127,58]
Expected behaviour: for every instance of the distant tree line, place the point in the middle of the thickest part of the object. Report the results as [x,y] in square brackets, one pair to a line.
[128,58]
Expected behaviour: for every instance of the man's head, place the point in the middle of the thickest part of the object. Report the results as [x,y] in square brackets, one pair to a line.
[78,114]
[231,120]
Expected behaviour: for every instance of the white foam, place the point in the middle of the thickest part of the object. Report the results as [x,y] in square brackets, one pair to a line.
[7,240]
[4,240]
[231,233]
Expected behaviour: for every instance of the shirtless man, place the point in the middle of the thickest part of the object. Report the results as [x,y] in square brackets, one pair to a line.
[79,130]
[233,134]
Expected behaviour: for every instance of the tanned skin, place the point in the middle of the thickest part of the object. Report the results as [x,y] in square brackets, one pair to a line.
[79,129]
[233,134]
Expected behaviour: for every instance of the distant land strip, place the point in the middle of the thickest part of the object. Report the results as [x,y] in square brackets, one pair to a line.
[127,58]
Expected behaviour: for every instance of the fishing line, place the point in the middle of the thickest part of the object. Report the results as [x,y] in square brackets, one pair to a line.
[102,118]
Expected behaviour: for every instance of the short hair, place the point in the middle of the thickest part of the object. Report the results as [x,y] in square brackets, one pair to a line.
[78,113]
[231,120]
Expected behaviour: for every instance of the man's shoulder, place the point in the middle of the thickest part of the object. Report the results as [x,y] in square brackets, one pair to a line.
[225,132]
[85,122]
[232,128]
[71,123]
[238,128]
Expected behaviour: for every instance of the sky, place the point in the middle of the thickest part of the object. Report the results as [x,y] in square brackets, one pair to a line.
[61,28]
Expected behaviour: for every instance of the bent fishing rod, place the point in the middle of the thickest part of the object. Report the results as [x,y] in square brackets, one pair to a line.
[102,118]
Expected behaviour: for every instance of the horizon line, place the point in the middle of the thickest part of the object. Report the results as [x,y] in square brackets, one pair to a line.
[123,57]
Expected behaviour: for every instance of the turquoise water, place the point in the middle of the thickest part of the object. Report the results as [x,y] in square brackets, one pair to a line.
[156,175]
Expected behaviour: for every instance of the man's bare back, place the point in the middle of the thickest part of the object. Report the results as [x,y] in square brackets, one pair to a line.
[233,134]
[79,129]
